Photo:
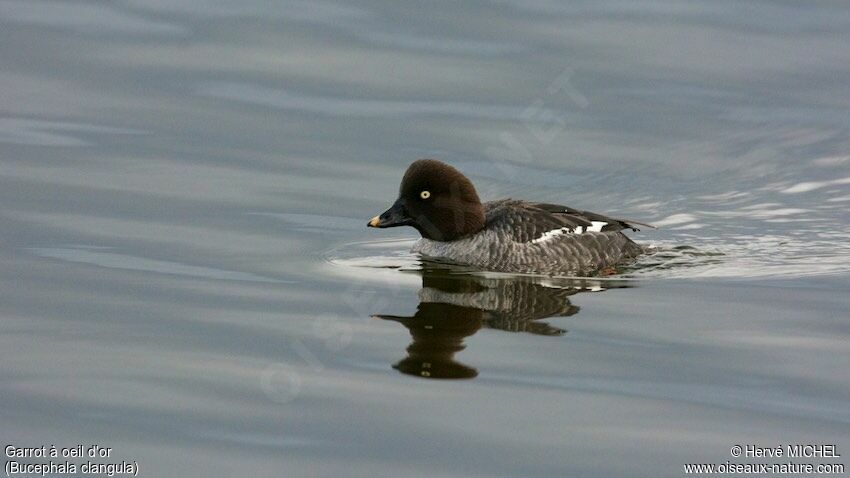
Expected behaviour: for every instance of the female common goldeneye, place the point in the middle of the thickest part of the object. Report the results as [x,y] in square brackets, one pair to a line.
[507,235]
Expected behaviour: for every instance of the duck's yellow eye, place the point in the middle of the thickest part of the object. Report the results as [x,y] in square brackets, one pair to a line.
[425,194]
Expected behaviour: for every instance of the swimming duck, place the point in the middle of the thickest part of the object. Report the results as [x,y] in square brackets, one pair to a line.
[506,235]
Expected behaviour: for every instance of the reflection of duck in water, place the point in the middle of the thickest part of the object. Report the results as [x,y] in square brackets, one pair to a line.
[455,306]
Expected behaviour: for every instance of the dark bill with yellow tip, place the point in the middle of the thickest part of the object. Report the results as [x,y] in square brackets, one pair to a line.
[394,216]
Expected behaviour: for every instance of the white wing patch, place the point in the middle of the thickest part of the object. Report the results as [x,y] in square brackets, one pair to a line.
[595,226]
[549,235]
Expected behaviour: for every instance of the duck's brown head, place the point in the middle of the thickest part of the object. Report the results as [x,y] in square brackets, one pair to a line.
[437,200]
